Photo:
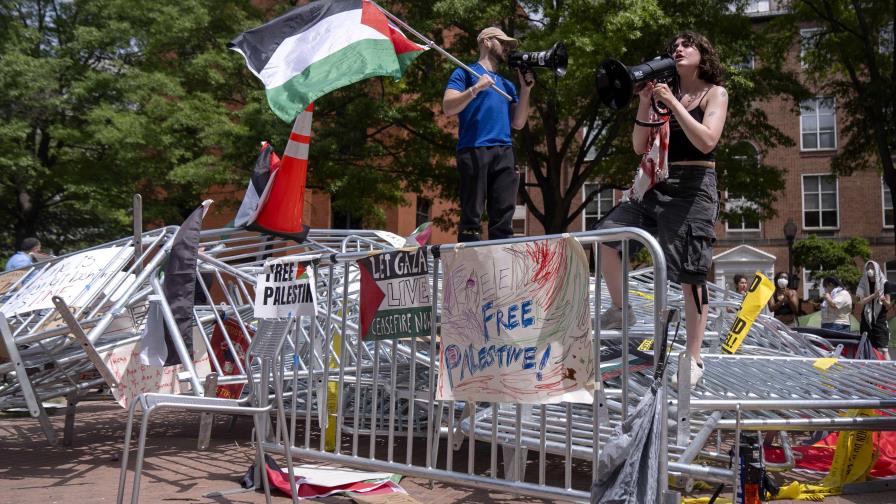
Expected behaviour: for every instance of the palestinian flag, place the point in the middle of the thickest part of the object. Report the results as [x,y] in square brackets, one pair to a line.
[322,46]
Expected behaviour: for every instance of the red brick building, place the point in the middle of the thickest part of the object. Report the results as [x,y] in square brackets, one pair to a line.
[830,207]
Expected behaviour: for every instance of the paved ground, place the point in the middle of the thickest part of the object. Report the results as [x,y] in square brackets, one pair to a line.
[87,472]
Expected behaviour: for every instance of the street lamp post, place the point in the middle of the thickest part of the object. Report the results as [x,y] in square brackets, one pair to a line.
[790,235]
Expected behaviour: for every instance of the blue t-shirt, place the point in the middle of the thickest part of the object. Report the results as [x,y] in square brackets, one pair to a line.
[485,121]
[18,260]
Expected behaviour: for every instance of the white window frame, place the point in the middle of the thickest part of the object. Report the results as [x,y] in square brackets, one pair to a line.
[886,39]
[417,210]
[820,209]
[803,148]
[888,271]
[600,211]
[806,34]
[737,202]
[591,155]
[757,6]
[749,62]
[806,280]
[884,202]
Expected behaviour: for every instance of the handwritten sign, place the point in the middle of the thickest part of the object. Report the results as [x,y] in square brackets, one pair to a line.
[516,323]
[285,289]
[761,289]
[75,279]
[135,378]
[395,295]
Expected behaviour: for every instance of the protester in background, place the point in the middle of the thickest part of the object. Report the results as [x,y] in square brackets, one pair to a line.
[741,284]
[486,165]
[784,303]
[25,256]
[836,305]
[875,301]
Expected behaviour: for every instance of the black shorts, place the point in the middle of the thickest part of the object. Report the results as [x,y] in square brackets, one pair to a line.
[879,332]
[681,213]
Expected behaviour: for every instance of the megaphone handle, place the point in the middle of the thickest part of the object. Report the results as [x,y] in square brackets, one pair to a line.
[658,110]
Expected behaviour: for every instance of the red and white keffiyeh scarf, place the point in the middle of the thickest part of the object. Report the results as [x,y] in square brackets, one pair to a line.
[654,165]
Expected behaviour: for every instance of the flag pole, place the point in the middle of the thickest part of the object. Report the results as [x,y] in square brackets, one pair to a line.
[432,45]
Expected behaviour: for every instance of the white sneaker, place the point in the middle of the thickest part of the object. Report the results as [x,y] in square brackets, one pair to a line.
[612,318]
[696,371]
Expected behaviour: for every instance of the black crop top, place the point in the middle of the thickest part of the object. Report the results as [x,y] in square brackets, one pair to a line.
[680,148]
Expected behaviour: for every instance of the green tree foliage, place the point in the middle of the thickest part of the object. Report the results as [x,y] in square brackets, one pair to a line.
[559,157]
[847,54]
[103,98]
[826,257]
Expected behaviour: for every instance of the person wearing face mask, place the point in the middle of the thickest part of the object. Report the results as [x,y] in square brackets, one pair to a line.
[836,305]
[486,165]
[784,303]
[874,299]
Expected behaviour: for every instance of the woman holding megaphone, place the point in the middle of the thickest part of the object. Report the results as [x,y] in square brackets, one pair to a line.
[674,196]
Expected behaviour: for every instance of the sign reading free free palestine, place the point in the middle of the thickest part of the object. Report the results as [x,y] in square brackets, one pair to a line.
[396,299]
[285,289]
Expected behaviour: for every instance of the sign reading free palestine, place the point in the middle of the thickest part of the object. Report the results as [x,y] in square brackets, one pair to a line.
[396,300]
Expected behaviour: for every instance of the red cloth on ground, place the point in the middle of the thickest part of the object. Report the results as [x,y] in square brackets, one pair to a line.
[819,456]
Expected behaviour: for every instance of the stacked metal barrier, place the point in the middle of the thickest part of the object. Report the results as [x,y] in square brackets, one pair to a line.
[371,404]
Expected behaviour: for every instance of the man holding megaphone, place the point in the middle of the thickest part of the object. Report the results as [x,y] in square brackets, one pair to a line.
[486,163]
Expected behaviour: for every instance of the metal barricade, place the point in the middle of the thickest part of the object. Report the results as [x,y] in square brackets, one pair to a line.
[385,393]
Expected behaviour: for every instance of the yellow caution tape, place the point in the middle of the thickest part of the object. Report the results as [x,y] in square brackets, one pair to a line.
[646,345]
[761,289]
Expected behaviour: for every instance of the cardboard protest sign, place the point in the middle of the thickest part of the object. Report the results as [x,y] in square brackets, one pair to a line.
[761,289]
[135,378]
[516,324]
[285,289]
[75,279]
[9,279]
[395,295]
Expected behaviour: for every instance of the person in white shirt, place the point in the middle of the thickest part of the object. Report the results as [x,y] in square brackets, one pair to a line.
[837,305]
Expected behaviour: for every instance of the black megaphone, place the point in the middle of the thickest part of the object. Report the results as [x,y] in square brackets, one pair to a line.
[616,83]
[554,58]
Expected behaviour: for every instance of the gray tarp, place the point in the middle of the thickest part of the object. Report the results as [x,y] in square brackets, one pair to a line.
[627,467]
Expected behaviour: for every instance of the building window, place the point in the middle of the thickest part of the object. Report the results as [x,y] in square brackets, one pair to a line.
[888,206]
[818,124]
[890,267]
[588,135]
[747,220]
[757,6]
[820,203]
[343,220]
[809,39]
[424,210]
[886,39]
[598,207]
[811,288]
[748,63]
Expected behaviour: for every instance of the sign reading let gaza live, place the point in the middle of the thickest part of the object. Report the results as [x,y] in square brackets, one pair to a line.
[395,295]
